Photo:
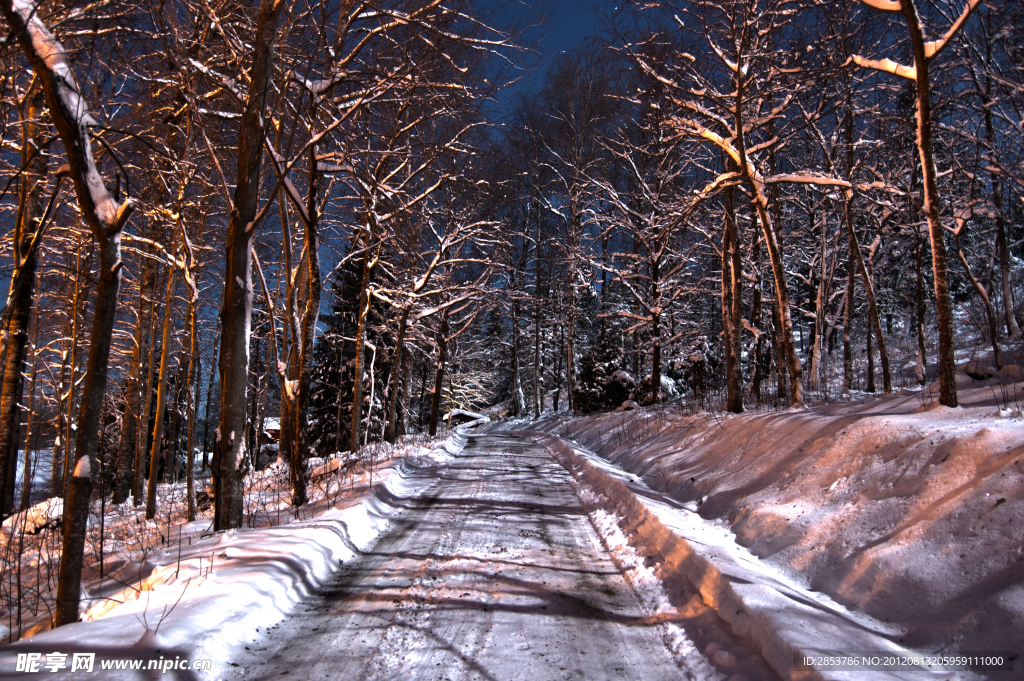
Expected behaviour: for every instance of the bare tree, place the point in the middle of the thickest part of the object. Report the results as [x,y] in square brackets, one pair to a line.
[105,218]
[925,51]
[29,229]
[728,102]
[236,310]
[580,103]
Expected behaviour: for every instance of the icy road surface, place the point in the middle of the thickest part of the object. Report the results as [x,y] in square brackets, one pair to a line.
[498,575]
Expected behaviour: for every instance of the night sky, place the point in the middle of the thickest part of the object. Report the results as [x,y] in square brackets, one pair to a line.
[567,22]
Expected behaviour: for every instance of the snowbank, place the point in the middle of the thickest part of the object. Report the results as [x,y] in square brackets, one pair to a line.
[894,507]
[35,518]
[470,418]
[760,603]
[203,599]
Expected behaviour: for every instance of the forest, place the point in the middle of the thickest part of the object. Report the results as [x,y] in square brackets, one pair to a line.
[237,231]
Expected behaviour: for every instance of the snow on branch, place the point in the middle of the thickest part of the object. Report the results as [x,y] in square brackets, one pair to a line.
[887,65]
[733,66]
[227,83]
[70,114]
[884,5]
[807,178]
[934,47]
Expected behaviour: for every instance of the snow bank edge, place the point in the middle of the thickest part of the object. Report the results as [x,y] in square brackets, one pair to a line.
[782,625]
[238,602]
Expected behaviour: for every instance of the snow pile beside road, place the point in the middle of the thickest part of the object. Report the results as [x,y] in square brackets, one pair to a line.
[207,597]
[646,584]
[895,507]
[760,604]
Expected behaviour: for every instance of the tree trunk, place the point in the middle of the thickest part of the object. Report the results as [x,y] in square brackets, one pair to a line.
[406,402]
[192,409]
[560,355]
[518,399]
[176,418]
[876,324]
[26,489]
[396,371]
[105,218]
[236,310]
[932,203]
[779,339]
[79,307]
[252,411]
[919,310]
[442,357]
[819,306]
[538,378]
[132,416]
[870,350]
[80,489]
[60,446]
[990,313]
[340,411]
[731,307]
[782,303]
[756,376]
[570,335]
[423,390]
[28,231]
[539,361]
[772,241]
[161,400]
[307,331]
[1012,330]
[142,439]
[851,285]
[361,314]
[656,357]
[300,328]
[209,398]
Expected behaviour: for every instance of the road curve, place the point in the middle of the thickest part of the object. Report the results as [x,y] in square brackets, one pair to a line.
[496,574]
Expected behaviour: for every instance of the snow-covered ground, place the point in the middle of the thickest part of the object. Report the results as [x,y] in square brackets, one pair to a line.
[894,507]
[495,574]
[196,594]
[877,523]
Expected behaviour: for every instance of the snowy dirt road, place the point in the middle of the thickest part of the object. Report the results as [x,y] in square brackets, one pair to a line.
[496,574]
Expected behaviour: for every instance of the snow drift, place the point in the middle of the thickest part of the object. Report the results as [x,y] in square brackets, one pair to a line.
[204,598]
[894,507]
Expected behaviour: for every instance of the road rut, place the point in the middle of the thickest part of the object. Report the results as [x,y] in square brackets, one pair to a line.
[496,573]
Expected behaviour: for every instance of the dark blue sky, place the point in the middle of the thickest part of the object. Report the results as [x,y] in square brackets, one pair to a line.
[566,23]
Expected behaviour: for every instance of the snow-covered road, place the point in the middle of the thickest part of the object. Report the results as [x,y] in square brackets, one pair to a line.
[497,574]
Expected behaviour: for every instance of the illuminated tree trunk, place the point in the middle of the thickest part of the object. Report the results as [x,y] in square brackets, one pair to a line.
[28,232]
[236,309]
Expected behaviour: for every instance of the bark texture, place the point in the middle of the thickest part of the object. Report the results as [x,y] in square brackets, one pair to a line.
[28,234]
[236,310]
[932,204]
[105,218]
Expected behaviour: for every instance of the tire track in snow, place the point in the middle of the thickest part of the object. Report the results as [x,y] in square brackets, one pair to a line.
[499,574]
